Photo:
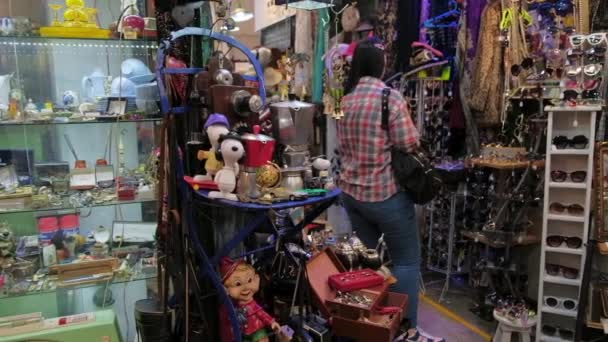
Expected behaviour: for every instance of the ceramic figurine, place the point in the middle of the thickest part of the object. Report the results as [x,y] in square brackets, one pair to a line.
[215,126]
[7,246]
[242,283]
[231,152]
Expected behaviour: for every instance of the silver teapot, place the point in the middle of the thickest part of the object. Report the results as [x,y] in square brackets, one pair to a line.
[356,243]
[347,255]
[370,258]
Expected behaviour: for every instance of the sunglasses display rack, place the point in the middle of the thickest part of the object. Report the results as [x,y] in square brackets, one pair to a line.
[447,251]
[566,215]
[496,217]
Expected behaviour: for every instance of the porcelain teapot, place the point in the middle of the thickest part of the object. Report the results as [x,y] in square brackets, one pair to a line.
[93,86]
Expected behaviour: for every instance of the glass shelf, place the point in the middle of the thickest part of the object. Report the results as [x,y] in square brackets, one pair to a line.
[148,197]
[145,43]
[88,122]
[117,280]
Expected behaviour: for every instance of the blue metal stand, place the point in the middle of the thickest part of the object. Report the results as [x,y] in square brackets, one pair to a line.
[207,264]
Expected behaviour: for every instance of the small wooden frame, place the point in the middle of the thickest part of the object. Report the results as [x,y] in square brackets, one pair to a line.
[103,270]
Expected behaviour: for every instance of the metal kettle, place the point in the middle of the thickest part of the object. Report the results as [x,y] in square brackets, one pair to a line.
[292,122]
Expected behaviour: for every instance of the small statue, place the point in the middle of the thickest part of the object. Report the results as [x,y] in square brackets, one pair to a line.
[242,283]
[7,246]
[215,126]
[231,152]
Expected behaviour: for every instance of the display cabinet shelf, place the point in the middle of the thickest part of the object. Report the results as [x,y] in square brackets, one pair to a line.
[562,280]
[116,280]
[79,42]
[65,205]
[567,313]
[567,185]
[77,122]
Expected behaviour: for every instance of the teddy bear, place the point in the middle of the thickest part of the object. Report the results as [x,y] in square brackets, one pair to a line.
[215,126]
[231,152]
[7,246]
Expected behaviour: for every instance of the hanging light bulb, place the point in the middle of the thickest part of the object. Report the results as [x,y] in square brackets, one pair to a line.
[308,4]
[232,29]
[240,14]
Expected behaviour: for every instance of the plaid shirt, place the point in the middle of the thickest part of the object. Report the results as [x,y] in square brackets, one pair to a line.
[365,155]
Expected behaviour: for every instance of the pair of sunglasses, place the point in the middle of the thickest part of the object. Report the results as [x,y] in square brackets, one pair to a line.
[559,270]
[551,331]
[588,84]
[570,96]
[592,70]
[526,64]
[591,94]
[571,209]
[575,176]
[593,39]
[561,303]
[578,142]
[558,240]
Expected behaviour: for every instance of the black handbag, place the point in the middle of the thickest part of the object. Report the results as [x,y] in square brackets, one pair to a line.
[413,171]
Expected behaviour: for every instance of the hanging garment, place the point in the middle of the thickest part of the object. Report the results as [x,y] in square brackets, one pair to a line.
[320,46]
[385,29]
[473,13]
[408,31]
[485,93]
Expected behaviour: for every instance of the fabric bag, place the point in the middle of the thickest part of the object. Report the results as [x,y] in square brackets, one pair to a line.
[413,171]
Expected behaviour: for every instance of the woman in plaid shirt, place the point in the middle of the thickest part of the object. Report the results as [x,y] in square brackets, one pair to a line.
[374,202]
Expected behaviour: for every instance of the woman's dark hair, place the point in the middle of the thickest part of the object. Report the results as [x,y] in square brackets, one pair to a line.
[368,60]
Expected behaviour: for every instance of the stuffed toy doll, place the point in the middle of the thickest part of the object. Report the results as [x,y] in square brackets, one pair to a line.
[241,283]
[215,126]
[231,152]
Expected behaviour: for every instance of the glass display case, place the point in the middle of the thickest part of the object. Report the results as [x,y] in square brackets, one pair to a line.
[79,122]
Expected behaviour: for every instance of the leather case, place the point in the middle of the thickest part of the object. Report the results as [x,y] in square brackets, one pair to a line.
[355,280]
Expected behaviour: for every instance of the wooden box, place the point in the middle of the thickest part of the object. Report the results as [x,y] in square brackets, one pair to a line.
[356,322]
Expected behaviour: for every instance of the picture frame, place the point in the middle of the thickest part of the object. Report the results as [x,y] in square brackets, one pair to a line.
[117,106]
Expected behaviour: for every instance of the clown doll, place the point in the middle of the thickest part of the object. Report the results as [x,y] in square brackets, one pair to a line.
[242,283]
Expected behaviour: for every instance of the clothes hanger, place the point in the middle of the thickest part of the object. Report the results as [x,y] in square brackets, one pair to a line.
[434,22]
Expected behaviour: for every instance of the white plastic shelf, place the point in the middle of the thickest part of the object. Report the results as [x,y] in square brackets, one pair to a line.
[567,185]
[564,250]
[570,152]
[572,109]
[565,218]
[561,312]
[561,280]
[545,338]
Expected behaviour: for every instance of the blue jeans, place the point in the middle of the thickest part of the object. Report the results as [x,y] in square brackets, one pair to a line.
[396,219]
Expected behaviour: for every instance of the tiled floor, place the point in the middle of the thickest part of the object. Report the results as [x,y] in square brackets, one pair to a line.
[458,301]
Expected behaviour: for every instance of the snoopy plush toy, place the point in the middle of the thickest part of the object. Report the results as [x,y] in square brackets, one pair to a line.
[231,152]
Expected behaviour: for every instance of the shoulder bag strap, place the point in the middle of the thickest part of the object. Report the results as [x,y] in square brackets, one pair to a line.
[386,92]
